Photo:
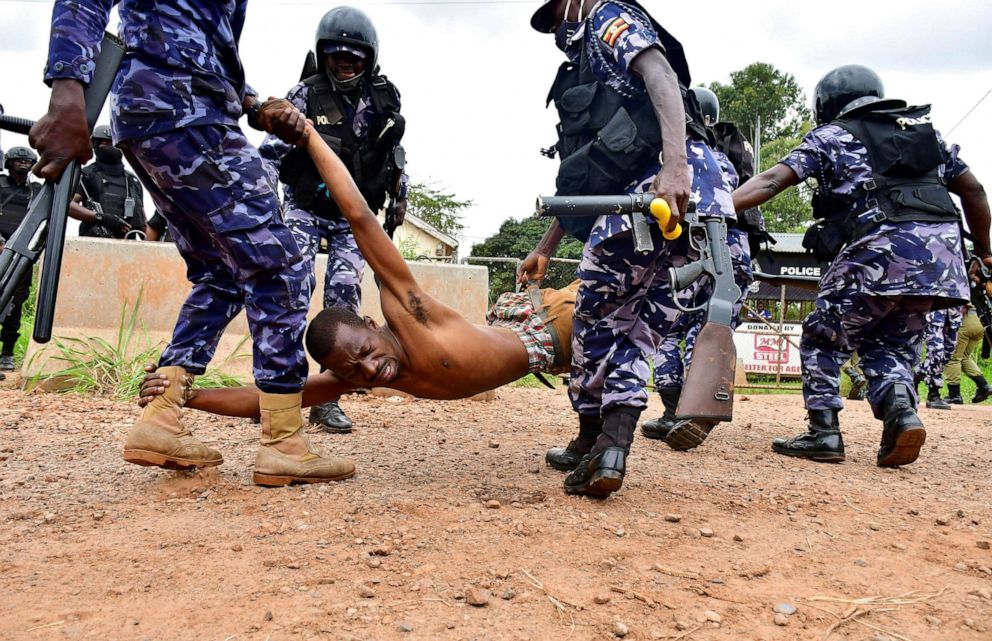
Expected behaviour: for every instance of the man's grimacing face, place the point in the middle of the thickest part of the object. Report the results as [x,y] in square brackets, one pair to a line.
[363,356]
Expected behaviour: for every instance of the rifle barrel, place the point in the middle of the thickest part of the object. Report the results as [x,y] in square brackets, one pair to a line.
[16,125]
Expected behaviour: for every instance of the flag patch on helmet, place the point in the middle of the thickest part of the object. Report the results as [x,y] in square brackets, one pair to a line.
[613,30]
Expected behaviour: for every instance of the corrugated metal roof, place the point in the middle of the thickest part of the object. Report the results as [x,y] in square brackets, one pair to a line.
[788,244]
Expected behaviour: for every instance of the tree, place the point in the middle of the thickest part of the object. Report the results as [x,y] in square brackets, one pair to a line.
[790,211]
[441,209]
[761,90]
[516,238]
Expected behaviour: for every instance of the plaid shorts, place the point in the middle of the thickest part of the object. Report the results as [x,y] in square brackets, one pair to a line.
[514,311]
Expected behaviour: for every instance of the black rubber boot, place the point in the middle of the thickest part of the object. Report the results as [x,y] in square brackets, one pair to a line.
[902,433]
[659,428]
[954,395]
[601,471]
[935,402]
[821,442]
[330,418]
[564,459]
[984,389]
[859,384]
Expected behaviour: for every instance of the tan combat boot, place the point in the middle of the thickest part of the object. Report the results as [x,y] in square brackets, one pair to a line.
[160,437]
[284,454]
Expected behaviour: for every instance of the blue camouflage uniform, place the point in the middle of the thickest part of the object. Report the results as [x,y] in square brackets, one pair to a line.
[940,339]
[175,107]
[876,294]
[624,304]
[669,363]
[345,263]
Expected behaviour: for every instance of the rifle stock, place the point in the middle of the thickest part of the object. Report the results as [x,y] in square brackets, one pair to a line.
[708,392]
[45,222]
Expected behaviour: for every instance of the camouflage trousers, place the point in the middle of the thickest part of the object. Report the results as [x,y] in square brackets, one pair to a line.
[623,306]
[940,338]
[886,331]
[212,186]
[669,363]
[345,263]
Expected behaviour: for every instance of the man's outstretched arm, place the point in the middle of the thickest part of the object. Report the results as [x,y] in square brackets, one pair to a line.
[765,186]
[380,252]
[242,401]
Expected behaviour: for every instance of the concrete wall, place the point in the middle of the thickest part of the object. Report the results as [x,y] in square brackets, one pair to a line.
[100,276]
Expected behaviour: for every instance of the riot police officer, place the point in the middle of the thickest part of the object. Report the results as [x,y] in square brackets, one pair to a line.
[736,159]
[16,191]
[357,111]
[887,221]
[111,196]
[622,100]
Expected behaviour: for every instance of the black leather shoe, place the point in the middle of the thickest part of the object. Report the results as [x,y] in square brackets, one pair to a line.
[689,434]
[330,418]
[954,395]
[564,459]
[937,403]
[902,434]
[823,442]
[599,475]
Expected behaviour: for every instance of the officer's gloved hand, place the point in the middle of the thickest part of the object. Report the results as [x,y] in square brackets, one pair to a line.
[281,118]
[115,224]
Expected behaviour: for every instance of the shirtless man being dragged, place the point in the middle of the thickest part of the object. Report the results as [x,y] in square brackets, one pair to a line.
[425,348]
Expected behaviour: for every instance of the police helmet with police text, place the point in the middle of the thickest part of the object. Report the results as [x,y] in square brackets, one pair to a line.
[708,103]
[842,86]
[349,28]
[19,153]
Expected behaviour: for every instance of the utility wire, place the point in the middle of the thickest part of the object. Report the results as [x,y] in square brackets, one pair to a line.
[970,111]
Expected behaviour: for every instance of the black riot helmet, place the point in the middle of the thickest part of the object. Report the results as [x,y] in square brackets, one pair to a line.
[101,133]
[350,27]
[18,153]
[843,86]
[708,103]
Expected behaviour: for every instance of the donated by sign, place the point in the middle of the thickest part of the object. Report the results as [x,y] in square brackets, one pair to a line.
[765,351]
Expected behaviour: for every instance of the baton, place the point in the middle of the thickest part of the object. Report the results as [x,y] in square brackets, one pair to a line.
[637,206]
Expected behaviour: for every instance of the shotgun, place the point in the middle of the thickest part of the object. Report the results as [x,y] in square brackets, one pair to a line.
[44,225]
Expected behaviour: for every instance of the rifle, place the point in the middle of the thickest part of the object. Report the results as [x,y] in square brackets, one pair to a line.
[980,298]
[44,225]
[708,394]
[635,206]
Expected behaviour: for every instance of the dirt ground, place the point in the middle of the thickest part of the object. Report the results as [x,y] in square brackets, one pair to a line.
[453,504]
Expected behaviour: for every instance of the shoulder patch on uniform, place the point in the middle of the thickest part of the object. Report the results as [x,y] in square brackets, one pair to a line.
[612,30]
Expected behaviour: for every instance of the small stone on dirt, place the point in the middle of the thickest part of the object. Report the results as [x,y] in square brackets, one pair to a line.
[236,547]
[983,544]
[673,518]
[943,520]
[477,597]
[373,562]
[738,538]
[932,620]
[620,629]
[785,608]
[508,594]
[780,619]
[268,615]
[406,627]
[494,444]
[861,563]
[365,591]
[712,616]
[493,504]
[601,599]
[705,532]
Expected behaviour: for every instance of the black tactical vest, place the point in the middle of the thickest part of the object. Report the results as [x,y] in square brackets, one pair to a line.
[729,139]
[607,139]
[112,191]
[905,157]
[369,160]
[14,201]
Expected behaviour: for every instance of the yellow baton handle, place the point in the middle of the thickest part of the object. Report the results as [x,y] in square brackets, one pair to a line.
[663,213]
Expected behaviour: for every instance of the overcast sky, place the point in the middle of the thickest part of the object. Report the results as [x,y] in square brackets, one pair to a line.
[474,76]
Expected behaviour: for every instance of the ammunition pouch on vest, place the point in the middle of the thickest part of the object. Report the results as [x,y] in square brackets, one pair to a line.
[607,139]
[369,160]
[905,156]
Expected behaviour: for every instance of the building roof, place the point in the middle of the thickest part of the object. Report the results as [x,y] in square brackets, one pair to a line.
[787,244]
[430,229]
